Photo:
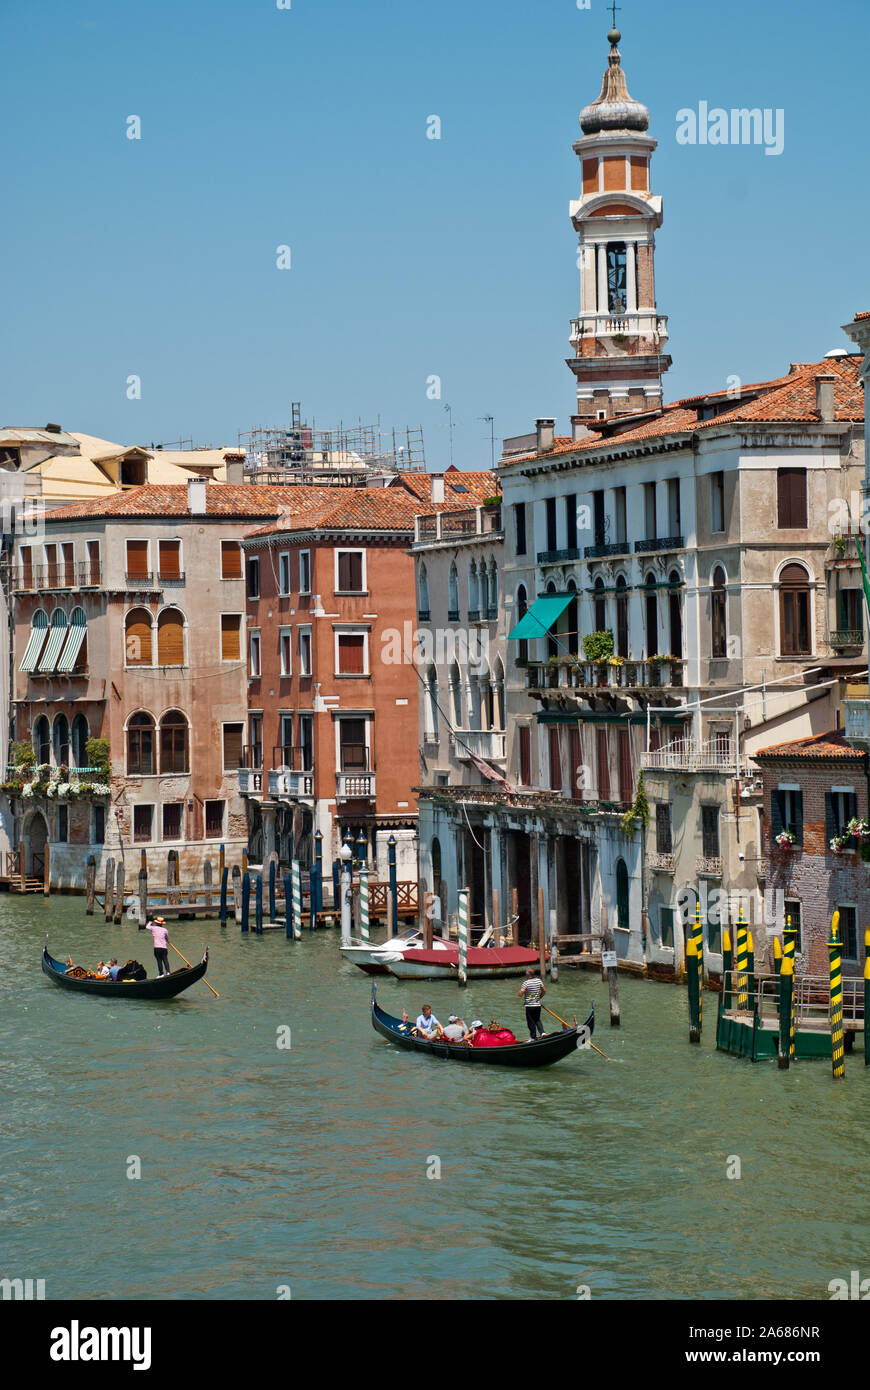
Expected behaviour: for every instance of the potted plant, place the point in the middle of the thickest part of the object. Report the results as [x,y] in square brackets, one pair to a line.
[859,829]
[837,844]
[598,646]
[786,839]
[840,544]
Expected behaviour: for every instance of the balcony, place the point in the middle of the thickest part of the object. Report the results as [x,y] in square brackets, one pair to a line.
[857,721]
[250,781]
[140,581]
[661,863]
[558,557]
[687,755]
[49,578]
[473,521]
[297,786]
[708,866]
[354,786]
[647,547]
[483,743]
[601,675]
[601,549]
[629,325]
[845,637]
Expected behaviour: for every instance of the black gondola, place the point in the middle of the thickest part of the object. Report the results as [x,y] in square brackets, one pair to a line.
[160,987]
[541,1053]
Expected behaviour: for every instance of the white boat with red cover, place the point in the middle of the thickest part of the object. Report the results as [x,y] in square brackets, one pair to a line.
[483,963]
[376,960]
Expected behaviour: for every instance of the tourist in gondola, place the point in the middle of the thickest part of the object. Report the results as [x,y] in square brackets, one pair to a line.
[532,991]
[114,968]
[456,1030]
[427,1025]
[157,928]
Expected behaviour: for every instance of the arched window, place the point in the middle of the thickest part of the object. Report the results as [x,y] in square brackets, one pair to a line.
[493,589]
[473,595]
[719,614]
[137,637]
[80,735]
[423,592]
[170,638]
[173,743]
[676,615]
[498,683]
[456,695]
[651,605]
[622,913]
[484,589]
[621,616]
[436,866]
[60,740]
[600,606]
[453,594]
[794,611]
[522,609]
[572,622]
[42,740]
[140,746]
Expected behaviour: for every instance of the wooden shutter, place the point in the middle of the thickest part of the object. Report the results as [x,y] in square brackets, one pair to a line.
[626,787]
[51,566]
[791,497]
[26,555]
[170,639]
[137,559]
[351,654]
[170,559]
[231,637]
[555,759]
[777,799]
[231,560]
[603,768]
[94,562]
[350,570]
[137,638]
[69,570]
[577,780]
[233,735]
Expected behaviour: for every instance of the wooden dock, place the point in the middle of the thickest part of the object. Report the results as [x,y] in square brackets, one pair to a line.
[748,1021]
[14,877]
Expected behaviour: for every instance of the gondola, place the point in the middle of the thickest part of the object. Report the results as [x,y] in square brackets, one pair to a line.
[541,1053]
[159,987]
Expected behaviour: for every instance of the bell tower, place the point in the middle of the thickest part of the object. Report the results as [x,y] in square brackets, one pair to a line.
[619,337]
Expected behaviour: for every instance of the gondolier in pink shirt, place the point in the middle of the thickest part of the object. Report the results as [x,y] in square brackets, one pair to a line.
[157,928]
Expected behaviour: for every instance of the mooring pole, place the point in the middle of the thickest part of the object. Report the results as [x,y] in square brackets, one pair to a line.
[742,962]
[750,960]
[394,886]
[288,908]
[272,871]
[777,955]
[613,979]
[838,1060]
[296,878]
[364,903]
[786,1012]
[224,883]
[789,943]
[727,967]
[90,884]
[698,937]
[463,936]
[258,906]
[237,894]
[346,892]
[866,996]
[109,900]
[694,992]
[246,899]
[143,891]
[336,884]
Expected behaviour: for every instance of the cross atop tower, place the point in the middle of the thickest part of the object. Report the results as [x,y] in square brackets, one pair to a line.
[613,8]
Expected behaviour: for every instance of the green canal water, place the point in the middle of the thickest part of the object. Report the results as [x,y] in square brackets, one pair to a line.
[307,1167]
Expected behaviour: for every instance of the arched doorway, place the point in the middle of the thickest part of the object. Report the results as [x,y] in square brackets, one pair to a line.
[622,895]
[33,841]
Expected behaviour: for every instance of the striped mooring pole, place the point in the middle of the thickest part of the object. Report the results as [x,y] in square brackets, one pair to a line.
[750,959]
[288,914]
[866,996]
[463,936]
[742,963]
[789,944]
[364,902]
[727,967]
[838,1058]
[786,1012]
[692,978]
[698,937]
[777,955]
[296,875]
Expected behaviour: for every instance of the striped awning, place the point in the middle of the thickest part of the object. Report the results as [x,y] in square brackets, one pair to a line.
[56,634]
[38,630]
[78,626]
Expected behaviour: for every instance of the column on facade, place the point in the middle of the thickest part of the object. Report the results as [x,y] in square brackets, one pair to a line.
[630,278]
[602,277]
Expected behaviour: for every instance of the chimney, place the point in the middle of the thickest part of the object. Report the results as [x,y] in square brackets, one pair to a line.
[196,496]
[545,435]
[437,488]
[234,468]
[825,396]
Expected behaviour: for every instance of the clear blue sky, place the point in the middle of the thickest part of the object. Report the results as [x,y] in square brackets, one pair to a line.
[410,257]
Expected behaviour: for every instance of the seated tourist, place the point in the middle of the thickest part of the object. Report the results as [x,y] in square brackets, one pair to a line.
[427,1025]
[456,1029]
[102,970]
[114,968]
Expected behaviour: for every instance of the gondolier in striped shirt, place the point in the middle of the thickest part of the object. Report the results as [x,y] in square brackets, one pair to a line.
[532,991]
[157,928]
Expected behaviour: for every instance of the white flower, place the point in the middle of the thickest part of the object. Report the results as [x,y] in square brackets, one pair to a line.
[51,789]
[99,789]
[28,790]
[63,788]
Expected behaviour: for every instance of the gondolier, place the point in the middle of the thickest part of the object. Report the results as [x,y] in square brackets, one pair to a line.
[157,928]
[532,991]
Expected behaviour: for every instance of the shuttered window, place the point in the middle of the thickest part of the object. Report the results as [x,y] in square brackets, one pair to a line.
[51,575]
[525,741]
[137,559]
[351,654]
[231,636]
[794,611]
[231,560]
[555,759]
[233,739]
[578,777]
[791,497]
[170,638]
[626,785]
[214,820]
[170,559]
[664,838]
[603,766]
[69,569]
[26,557]
[710,832]
[350,571]
[140,746]
[143,817]
[93,574]
[137,637]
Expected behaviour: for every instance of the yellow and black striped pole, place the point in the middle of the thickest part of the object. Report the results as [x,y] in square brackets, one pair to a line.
[838,1058]
[727,967]
[694,991]
[789,940]
[866,996]
[742,962]
[777,955]
[698,937]
[750,961]
[786,1012]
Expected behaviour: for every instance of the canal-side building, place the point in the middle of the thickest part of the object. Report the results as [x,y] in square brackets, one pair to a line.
[458,558]
[130,626]
[816,844]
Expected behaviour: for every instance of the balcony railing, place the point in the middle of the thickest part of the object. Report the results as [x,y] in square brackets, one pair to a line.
[473,521]
[286,782]
[660,543]
[629,325]
[686,755]
[603,548]
[857,721]
[593,675]
[483,743]
[558,557]
[41,578]
[140,581]
[847,637]
[708,866]
[350,786]
[661,863]
[250,781]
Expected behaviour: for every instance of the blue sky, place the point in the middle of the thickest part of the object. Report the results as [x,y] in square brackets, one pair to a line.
[410,257]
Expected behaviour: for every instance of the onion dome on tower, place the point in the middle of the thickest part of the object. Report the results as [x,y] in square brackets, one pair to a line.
[614,109]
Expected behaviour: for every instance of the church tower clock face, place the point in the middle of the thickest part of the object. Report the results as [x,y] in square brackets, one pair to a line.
[619,337]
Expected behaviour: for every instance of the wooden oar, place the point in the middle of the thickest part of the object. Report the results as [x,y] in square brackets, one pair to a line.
[589,1040]
[187,963]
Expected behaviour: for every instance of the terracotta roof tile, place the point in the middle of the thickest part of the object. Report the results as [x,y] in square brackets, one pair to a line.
[351,509]
[814,746]
[170,499]
[865,315]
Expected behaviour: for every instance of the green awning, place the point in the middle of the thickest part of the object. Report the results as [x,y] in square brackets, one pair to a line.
[544,613]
